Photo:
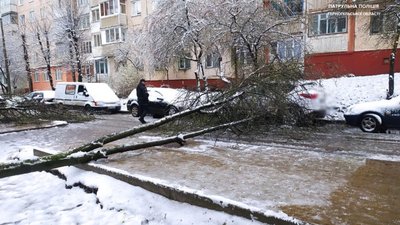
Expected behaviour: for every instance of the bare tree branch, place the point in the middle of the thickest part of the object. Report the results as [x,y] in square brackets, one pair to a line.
[47,163]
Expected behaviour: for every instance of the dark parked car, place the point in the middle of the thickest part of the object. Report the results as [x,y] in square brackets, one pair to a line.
[163,101]
[377,116]
[41,96]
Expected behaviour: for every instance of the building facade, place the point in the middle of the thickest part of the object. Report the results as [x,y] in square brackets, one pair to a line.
[334,40]
[347,38]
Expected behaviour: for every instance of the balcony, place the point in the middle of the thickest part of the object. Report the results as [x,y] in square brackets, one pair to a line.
[113,21]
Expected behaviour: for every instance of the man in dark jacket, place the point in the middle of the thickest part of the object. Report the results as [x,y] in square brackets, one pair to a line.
[143,99]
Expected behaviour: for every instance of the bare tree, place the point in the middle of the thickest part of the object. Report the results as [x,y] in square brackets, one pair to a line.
[393,11]
[73,22]
[68,158]
[7,74]
[192,30]
[41,28]
[26,58]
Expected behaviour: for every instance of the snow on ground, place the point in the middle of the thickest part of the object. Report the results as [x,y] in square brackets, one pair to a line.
[41,198]
[345,91]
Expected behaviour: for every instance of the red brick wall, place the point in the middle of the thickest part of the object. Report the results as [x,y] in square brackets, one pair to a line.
[358,63]
[43,84]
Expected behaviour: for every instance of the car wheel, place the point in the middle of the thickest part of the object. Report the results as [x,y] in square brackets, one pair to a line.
[88,109]
[135,110]
[370,124]
[171,110]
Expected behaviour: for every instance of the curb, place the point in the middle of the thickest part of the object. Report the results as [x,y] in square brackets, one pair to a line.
[38,127]
[192,198]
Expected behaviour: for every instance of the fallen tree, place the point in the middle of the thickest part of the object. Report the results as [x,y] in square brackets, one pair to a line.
[86,153]
[80,158]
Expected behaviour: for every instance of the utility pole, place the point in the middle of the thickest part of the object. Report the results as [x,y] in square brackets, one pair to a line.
[8,78]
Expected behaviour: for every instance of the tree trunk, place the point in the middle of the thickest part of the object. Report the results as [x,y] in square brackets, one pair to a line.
[48,62]
[3,87]
[27,65]
[114,137]
[8,76]
[45,164]
[392,65]
[75,44]
[71,56]
[46,56]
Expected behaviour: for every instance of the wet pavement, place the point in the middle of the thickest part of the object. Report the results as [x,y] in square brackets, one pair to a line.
[330,175]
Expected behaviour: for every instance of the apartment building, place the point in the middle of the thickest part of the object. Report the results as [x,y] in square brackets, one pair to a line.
[8,15]
[332,42]
[111,20]
[106,24]
[347,38]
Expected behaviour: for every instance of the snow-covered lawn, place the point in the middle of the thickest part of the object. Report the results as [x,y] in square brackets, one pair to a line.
[42,198]
[343,92]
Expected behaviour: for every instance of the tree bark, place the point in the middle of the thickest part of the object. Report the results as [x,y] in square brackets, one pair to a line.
[392,64]
[8,75]
[46,56]
[27,64]
[46,163]
[71,55]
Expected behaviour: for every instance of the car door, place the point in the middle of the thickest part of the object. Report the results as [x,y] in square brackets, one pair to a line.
[392,114]
[82,95]
[156,106]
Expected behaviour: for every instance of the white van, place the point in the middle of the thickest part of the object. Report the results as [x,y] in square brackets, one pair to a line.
[88,95]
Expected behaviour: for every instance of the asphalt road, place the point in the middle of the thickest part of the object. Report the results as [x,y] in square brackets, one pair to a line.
[330,174]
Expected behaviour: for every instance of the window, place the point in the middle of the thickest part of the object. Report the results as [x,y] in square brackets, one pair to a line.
[58,74]
[81,89]
[136,8]
[294,7]
[184,63]
[86,70]
[86,47]
[382,23]
[35,57]
[11,18]
[288,7]
[22,19]
[82,2]
[243,55]
[95,15]
[97,40]
[70,89]
[328,24]
[109,7]
[154,4]
[84,21]
[36,76]
[114,35]
[122,5]
[101,66]
[289,49]
[45,77]
[42,13]
[21,2]
[213,60]
[61,49]
[31,16]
